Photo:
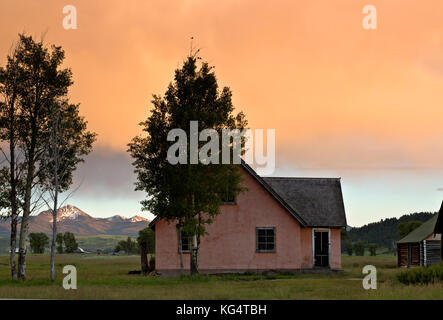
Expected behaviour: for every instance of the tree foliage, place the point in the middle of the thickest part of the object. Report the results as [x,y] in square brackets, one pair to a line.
[36,118]
[38,242]
[59,241]
[129,246]
[349,247]
[359,248]
[372,247]
[187,194]
[70,243]
[39,81]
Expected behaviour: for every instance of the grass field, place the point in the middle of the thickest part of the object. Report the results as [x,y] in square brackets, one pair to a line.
[106,277]
[106,243]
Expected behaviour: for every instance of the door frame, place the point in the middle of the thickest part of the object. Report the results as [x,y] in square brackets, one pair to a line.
[313,244]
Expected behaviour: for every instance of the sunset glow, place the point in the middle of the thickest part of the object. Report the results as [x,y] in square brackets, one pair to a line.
[364,105]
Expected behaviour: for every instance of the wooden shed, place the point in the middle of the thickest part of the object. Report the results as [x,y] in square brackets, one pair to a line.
[422,247]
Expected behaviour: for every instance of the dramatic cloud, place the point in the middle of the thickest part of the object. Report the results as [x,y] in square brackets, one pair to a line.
[106,174]
[342,99]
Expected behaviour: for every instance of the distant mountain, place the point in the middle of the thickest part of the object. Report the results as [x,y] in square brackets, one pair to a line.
[72,219]
[385,232]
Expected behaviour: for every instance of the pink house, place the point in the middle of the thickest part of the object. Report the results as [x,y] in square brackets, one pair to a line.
[279,224]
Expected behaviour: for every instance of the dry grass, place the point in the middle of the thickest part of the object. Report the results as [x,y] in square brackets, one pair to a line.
[106,277]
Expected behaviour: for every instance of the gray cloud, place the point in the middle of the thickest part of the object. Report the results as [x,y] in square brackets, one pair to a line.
[106,173]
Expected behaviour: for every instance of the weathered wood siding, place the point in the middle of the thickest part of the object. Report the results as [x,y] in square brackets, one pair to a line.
[402,255]
[432,252]
[408,254]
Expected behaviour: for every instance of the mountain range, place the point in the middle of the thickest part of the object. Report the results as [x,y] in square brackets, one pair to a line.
[72,219]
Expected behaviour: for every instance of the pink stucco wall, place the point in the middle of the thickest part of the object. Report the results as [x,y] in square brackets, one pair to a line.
[231,243]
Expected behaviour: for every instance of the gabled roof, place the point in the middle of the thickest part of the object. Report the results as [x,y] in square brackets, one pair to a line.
[274,193]
[421,233]
[439,224]
[313,202]
[319,201]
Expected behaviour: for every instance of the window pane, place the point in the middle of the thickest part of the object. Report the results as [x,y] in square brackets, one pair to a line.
[265,239]
[185,244]
[261,246]
[261,239]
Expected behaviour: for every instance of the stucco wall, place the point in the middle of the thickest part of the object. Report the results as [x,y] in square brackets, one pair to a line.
[231,243]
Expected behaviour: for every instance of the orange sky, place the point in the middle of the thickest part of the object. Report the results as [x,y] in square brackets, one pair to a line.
[340,97]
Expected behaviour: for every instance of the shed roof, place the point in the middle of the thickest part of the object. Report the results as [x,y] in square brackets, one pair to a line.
[422,232]
[319,201]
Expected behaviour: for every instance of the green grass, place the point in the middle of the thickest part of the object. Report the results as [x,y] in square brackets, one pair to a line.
[106,277]
[106,243]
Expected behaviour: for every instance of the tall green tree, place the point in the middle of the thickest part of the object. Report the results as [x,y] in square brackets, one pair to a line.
[59,240]
[187,194]
[11,85]
[71,244]
[43,83]
[38,242]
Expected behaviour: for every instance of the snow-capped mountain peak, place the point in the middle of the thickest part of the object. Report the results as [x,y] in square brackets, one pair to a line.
[72,219]
[68,212]
[116,218]
[138,219]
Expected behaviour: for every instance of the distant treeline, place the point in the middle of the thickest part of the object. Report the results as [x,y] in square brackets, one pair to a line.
[385,232]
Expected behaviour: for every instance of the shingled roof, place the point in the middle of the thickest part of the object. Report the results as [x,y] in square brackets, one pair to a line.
[319,201]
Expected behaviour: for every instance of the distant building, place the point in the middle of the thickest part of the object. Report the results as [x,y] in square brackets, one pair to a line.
[422,247]
[279,224]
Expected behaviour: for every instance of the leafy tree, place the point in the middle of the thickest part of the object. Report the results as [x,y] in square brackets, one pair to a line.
[372,249]
[129,246]
[32,81]
[71,244]
[406,228]
[349,247]
[359,248]
[46,136]
[38,242]
[11,85]
[59,240]
[187,194]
